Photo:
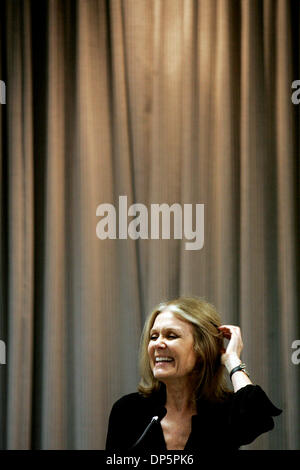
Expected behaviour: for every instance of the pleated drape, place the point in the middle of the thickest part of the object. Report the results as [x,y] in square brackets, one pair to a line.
[162,101]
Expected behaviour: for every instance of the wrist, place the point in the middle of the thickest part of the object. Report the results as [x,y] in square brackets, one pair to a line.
[231,361]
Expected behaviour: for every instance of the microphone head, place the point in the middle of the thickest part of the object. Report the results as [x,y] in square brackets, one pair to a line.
[161,414]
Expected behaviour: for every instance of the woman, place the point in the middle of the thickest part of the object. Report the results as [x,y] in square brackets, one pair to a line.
[183,401]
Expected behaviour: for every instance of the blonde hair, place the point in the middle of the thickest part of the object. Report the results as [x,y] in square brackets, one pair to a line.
[208,343]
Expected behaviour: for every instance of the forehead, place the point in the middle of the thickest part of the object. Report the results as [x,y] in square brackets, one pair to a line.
[167,319]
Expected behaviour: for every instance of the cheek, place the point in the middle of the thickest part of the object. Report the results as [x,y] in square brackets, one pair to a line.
[192,358]
[150,350]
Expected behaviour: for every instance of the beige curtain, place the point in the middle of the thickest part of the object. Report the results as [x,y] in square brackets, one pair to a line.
[164,101]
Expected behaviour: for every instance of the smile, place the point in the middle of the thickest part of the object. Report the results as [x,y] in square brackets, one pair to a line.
[160,359]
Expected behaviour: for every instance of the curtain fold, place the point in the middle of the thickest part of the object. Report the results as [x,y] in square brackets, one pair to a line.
[162,101]
[20,226]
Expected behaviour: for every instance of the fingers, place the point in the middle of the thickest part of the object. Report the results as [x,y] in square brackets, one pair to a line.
[229,330]
[225,331]
[230,327]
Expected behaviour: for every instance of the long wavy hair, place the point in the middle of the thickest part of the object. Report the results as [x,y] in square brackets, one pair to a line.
[209,373]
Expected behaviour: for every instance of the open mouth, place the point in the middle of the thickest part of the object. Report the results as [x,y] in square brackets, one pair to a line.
[163,360]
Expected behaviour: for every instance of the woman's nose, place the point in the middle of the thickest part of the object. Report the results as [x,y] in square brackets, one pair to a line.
[160,343]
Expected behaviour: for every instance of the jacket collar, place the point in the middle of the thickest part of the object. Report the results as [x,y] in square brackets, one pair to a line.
[158,402]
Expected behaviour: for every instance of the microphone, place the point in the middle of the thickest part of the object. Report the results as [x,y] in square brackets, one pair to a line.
[155,419]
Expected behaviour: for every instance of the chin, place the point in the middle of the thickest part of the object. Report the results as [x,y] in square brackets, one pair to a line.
[162,375]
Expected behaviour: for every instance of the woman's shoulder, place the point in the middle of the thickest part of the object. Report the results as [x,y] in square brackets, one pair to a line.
[126,402]
[140,403]
[249,398]
[133,397]
[131,408]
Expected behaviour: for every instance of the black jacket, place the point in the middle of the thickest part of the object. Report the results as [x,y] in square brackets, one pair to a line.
[237,421]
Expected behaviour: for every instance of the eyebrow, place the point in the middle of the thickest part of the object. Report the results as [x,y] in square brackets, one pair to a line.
[169,328]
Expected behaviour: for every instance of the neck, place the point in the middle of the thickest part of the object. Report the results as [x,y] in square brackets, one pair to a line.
[180,397]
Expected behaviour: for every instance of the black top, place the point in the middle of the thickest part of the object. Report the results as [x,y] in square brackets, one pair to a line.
[237,421]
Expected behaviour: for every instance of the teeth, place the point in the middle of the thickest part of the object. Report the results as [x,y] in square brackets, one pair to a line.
[163,359]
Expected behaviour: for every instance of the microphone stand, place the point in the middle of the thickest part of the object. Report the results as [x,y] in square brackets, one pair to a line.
[155,419]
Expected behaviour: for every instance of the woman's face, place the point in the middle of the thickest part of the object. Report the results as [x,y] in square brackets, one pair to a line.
[171,347]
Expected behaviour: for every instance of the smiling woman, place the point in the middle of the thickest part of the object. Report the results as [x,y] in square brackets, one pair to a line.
[198,322]
[171,344]
[183,401]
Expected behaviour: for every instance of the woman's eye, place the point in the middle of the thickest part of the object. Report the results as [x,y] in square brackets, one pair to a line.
[171,336]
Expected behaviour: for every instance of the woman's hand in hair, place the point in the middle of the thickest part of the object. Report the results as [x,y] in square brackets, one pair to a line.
[235,345]
[230,357]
